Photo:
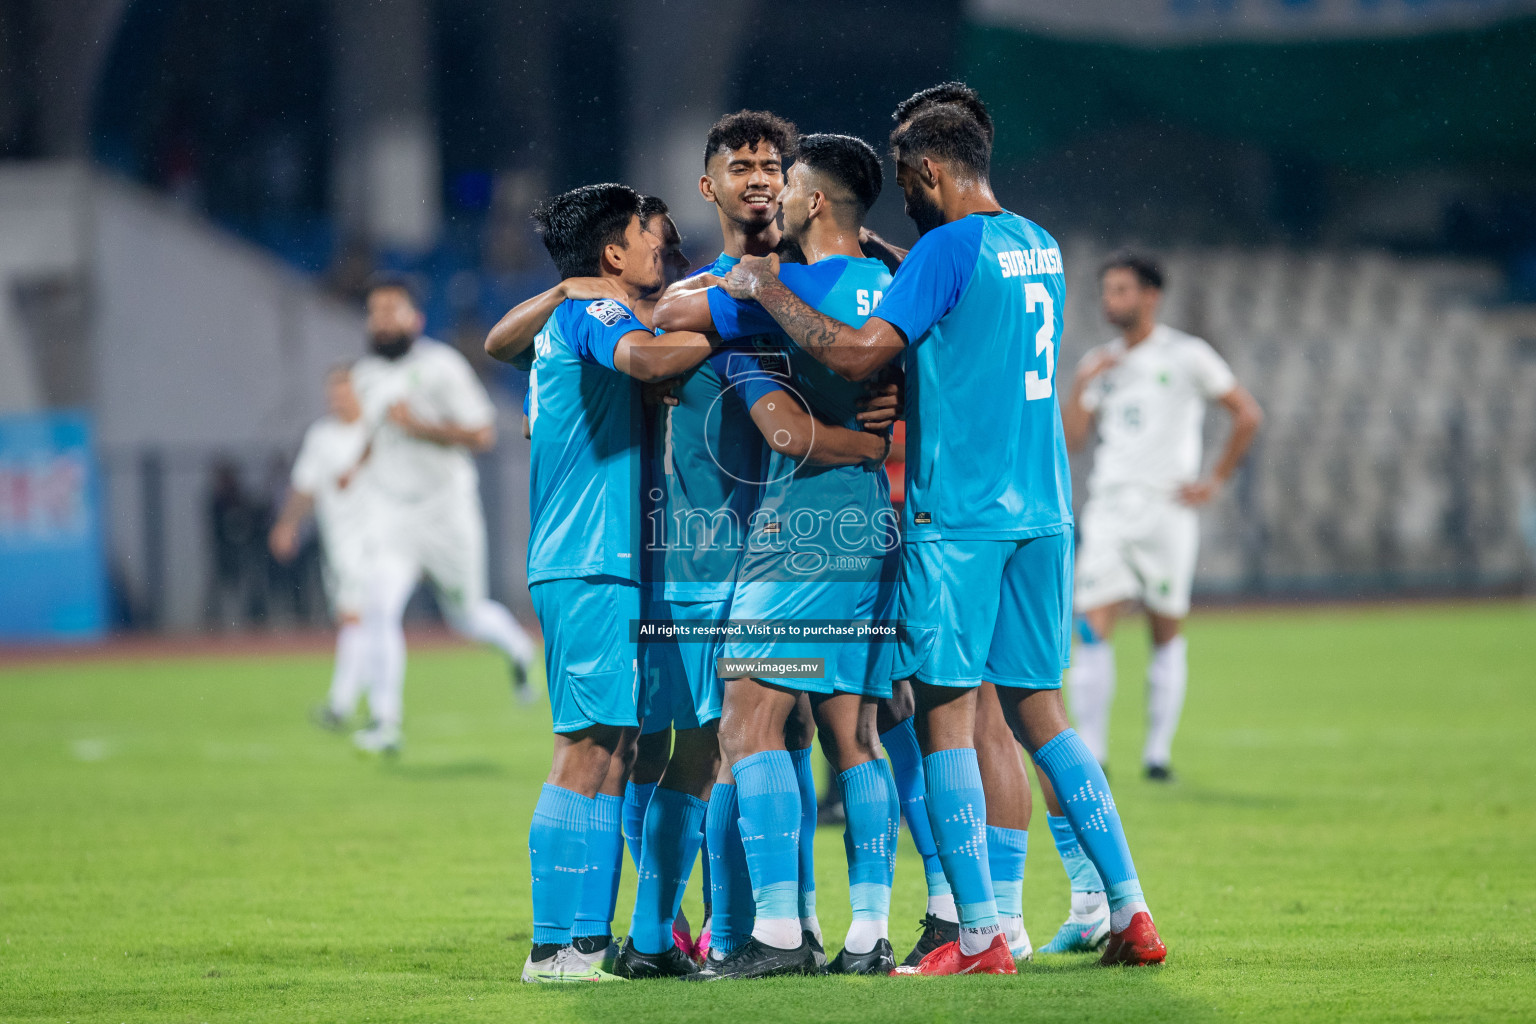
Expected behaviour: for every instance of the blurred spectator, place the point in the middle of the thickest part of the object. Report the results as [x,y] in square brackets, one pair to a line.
[233,526]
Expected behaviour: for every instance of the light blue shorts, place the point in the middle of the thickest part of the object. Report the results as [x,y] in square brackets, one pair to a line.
[999,610]
[681,688]
[851,666]
[589,659]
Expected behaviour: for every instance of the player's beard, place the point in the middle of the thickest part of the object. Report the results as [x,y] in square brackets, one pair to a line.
[392,346]
[925,213]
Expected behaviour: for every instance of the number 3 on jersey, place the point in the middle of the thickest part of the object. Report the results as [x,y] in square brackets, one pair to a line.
[1036,385]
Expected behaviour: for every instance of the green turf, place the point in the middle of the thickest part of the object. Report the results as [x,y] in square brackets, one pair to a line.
[1354,837]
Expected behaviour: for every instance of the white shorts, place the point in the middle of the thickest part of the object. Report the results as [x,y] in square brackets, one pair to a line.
[347,568]
[1135,544]
[444,538]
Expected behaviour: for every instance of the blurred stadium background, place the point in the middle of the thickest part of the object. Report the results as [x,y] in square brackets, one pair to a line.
[1344,192]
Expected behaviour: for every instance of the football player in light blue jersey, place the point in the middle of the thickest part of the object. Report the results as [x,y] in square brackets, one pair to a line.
[975,313]
[583,551]
[823,547]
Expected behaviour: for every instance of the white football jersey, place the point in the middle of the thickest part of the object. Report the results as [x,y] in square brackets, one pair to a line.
[1151,410]
[440,387]
[328,470]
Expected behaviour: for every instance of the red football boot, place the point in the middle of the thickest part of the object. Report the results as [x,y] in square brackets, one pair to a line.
[947,959]
[1137,945]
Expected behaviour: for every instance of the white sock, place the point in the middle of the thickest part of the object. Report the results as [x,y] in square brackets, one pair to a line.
[810,924]
[491,623]
[778,932]
[976,940]
[1167,679]
[943,908]
[1088,906]
[349,674]
[862,935]
[1091,687]
[386,690]
[1013,927]
[386,643]
[1120,919]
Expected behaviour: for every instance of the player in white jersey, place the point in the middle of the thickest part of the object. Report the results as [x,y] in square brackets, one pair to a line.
[1147,390]
[328,480]
[428,415]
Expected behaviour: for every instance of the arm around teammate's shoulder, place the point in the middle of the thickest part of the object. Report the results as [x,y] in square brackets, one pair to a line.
[791,430]
[652,357]
[851,353]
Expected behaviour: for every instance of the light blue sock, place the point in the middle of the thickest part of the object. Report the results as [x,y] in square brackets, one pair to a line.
[907,767]
[769,796]
[705,883]
[671,843]
[557,855]
[1086,802]
[869,802]
[805,777]
[637,796]
[957,809]
[730,883]
[605,855]
[1080,870]
[1007,849]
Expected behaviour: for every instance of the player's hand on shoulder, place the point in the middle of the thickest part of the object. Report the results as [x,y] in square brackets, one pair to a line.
[1096,362]
[584,289]
[1199,492]
[748,275]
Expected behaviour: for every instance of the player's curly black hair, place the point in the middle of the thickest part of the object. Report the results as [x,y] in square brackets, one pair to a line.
[576,225]
[748,128]
[653,206]
[1146,269]
[958,93]
[944,132]
[850,162]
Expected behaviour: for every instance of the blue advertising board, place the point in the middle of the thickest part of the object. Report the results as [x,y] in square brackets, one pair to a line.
[52,573]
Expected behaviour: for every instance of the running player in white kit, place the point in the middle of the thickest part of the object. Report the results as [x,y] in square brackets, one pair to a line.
[328,480]
[1148,390]
[428,415]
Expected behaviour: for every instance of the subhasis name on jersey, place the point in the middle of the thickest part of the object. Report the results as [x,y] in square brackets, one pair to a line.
[1025,262]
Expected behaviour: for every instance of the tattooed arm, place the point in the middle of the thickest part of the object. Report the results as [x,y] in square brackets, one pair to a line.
[853,353]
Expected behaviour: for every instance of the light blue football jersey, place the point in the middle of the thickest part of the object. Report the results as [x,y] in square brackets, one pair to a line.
[832,522]
[585,480]
[703,485]
[980,301]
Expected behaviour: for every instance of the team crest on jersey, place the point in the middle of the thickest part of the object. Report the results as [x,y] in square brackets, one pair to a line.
[608,311]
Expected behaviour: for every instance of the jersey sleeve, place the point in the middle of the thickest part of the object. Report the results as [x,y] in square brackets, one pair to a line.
[744,372]
[738,318]
[471,405]
[308,474]
[594,329]
[931,278]
[1212,376]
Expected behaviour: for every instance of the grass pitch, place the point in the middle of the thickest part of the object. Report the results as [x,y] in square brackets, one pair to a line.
[1354,836]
